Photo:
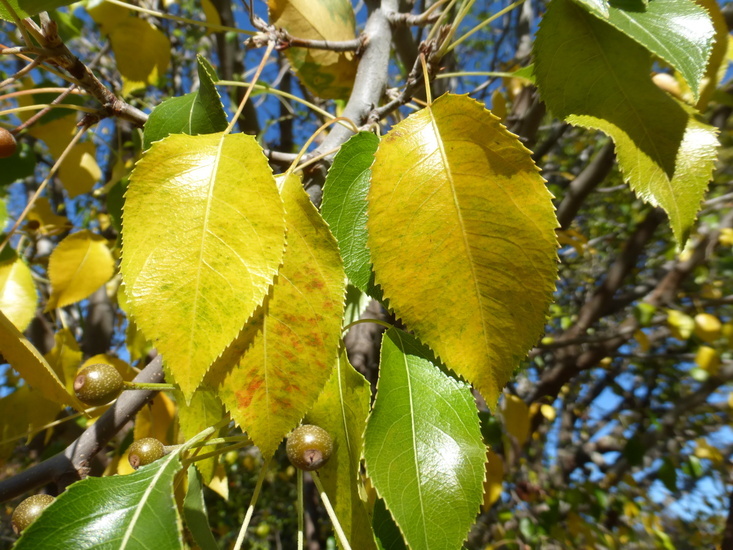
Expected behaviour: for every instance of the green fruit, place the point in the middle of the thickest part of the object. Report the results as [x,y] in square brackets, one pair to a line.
[28,510]
[144,451]
[98,384]
[309,447]
[8,145]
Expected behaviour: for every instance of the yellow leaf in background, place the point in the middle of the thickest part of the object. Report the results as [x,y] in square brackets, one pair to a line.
[78,266]
[516,418]
[107,15]
[204,235]
[726,236]
[548,411]
[22,413]
[643,340]
[29,363]
[708,359]
[493,485]
[18,296]
[456,198]
[705,450]
[48,222]
[327,74]
[156,420]
[707,327]
[219,483]
[680,324]
[498,104]
[296,332]
[65,357]
[717,61]
[211,14]
[143,53]
[79,171]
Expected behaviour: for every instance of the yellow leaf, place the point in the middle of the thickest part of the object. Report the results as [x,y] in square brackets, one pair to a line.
[548,411]
[456,198]
[707,359]
[34,369]
[643,340]
[707,327]
[680,324]
[211,14]
[21,414]
[78,266]
[143,53]
[48,222]
[107,15]
[498,104]
[205,410]
[327,74]
[296,332]
[219,483]
[18,296]
[65,357]
[726,236]
[705,450]
[717,62]
[156,420]
[493,485]
[516,418]
[204,234]
[79,171]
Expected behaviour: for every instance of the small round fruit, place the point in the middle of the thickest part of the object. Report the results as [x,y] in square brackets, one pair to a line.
[309,447]
[28,510]
[98,384]
[144,451]
[8,145]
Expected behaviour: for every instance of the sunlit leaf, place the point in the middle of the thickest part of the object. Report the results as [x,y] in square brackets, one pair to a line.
[107,15]
[292,343]
[78,266]
[594,76]
[203,236]
[141,515]
[199,112]
[142,51]
[342,410]
[18,295]
[423,447]
[65,357]
[24,358]
[156,420]
[327,74]
[598,7]
[45,220]
[204,410]
[717,64]
[344,204]
[494,483]
[461,233]
[22,414]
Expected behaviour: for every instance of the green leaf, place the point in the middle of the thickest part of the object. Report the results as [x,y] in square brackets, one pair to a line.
[272,374]
[385,529]
[204,410]
[131,512]
[195,514]
[344,204]
[678,31]
[25,358]
[203,236]
[26,8]
[667,474]
[462,236]
[597,7]
[342,410]
[199,112]
[423,447]
[594,76]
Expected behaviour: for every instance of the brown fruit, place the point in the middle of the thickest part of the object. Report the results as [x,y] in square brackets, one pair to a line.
[98,384]
[27,511]
[144,451]
[8,145]
[309,447]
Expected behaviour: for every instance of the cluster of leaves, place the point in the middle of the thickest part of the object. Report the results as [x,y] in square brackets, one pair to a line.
[244,287]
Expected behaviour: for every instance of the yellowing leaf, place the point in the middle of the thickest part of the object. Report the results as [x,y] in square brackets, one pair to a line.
[65,357]
[18,296]
[680,324]
[156,420]
[707,327]
[48,222]
[78,266]
[79,171]
[107,15]
[493,485]
[707,359]
[143,53]
[516,418]
[204,410]
[292,343]
[203,236]
[327,74]
[457,199]
[21,414]
[548,411]
[34,369]
[219,483]
[717,63]
[643,340]
[705,450]
[212,15]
